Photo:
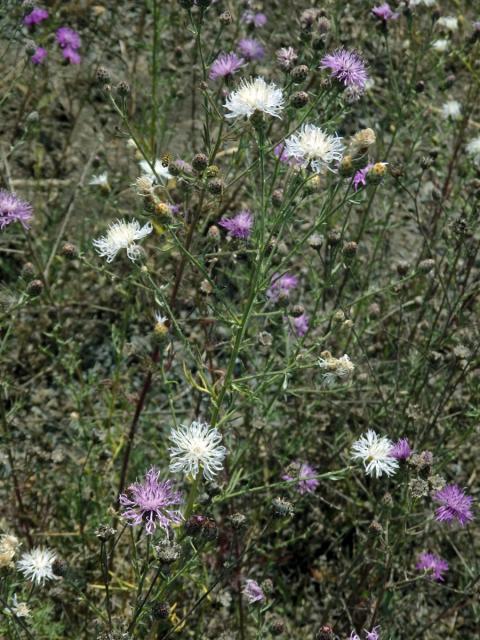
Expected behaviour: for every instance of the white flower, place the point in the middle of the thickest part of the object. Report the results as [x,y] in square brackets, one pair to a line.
[122,235]
[449,22]
[313,147]
[101,180]
[336,369]
[427,3]
[255,95]
[197,446]
[473,148]
[144,185]
[20,609]
[441,45]
[36,565]
[374,452]
[159,170]
[452,109]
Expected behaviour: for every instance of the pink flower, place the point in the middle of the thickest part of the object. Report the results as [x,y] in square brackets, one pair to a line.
[432,563]
[35,17]
[240,226]
[39,55]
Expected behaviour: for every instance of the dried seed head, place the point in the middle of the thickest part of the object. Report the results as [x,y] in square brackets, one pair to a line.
[105,532]
[123,88]
[325,633]
[425,266]
[215,186]
[238,521]
[160,610]
[225,18]
[167,552]
[276,626]
[418,488]
[297,311]
[350,249]
[299,73]
[213,233]
[282,508]
[361,142]
[102,75]
[69,251]
[316,241]
[212,171]
[376,528]
[402,268]
[35,287]
[333,237]
[299,99]
[200,162]
[277,198]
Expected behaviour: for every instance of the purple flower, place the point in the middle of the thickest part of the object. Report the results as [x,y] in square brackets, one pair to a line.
[286,56]
[281,286]
[68,38]
[254,19]
[251,49]
[149,501]
[283,156]
[401,449]
[301,325]
[71,55]
[374,634]
[14,209]
[225,66]
[305,474]
[432,563]
[253,592]
[347,67]
[239,226]
[360,177]
[454,505]
[39,55]
[35,17]
[384,12]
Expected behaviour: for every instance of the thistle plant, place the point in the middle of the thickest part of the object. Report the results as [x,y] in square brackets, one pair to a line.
[239,320]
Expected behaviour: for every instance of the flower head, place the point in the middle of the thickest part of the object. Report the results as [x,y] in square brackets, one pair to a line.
[255,95]
[441,45]
[149,502]
[159,171]
[8,548]
[473,148]
[197,447]
[281,286]
[122,235]
[305,474]
[36,16]
[287,57]
[454,505]
[433,564]
[71,55]
[36,565]
[100,180]
[20,609]
[301,325]
[450,23]
[374,451]
[374,634]
[253,592]
[14,209]
[360,177]
[39,55]
[347,67]
[314,148]
[225,66]
[384,12]
[68,38]
[401,449]
[452,110]
[251,49]
[254,19]
[240,226]
[335,369]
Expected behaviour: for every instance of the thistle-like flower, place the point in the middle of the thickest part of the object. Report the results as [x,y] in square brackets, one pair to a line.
[159,171]
[452,110]
[347,67]
[197,447]
[122,234]
[314,148]
[251,49]
[149,502]
[473,148]
[454,505]
[287,57]
[255,95]
[433,565]
[401,450]
[375,453]
[239,226]
[335,369]
[225,66]
[253,592]
[36,565]
[100,180]
[281,285]
[14,209]
[305,475]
